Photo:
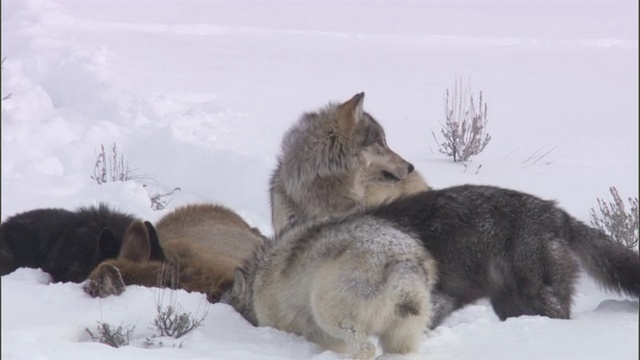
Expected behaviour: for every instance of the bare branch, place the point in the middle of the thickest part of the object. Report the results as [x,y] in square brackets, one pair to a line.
[111,335]
[115,168]
[614,219]
[464,130]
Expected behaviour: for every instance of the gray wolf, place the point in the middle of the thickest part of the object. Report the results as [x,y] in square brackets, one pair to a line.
[337,283]
[334,161]
[195,247]
[522,252]
[66,244]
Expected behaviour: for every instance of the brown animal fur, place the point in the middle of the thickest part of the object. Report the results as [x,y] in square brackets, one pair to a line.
[196,248]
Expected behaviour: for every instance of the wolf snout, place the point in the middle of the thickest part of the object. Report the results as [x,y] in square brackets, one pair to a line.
[403,170]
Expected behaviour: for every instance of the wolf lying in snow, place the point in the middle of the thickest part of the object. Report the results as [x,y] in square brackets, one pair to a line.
[196,248]
[339,283]
[66,244]
[520,251]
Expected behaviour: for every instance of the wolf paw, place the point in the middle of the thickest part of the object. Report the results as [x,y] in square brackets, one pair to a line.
[366,351]
[104,281]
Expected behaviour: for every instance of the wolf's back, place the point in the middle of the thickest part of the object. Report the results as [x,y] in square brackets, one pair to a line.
[610,263]
[487,239]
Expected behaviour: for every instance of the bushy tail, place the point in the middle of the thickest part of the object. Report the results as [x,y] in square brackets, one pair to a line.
[610,263]
[410,283]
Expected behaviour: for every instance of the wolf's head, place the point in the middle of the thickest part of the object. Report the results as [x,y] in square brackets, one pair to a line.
[377,161]
[338,139]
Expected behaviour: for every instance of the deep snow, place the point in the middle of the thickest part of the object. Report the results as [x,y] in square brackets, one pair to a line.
[196,94]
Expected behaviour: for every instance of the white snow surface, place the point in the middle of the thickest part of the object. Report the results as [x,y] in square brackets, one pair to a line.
[197,94]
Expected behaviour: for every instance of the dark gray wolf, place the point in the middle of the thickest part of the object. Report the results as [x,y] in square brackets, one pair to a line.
[520,251]
[338,283]
[66,244]
[334,161]
[195,247]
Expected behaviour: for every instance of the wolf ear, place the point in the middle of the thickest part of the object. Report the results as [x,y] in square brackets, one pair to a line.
[154,242]
[350,112]
[136,245]
[239,281]
[108,244]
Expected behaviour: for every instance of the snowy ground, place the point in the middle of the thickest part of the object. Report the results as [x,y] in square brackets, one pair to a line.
[196,94]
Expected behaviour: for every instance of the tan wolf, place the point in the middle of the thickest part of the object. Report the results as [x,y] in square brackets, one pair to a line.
[332,284]
[334,161]
[196,248]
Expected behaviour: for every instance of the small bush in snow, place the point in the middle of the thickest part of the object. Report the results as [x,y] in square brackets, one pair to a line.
[465,129]
[111,335]
[113,167]
[175,323]
[171,320]
[110,168]
[614,219]
[160,200]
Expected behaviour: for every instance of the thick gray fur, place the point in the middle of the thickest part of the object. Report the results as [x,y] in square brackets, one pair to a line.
[520,251]
[334,161]
[337,283]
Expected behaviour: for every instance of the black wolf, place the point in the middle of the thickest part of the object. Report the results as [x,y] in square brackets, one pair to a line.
[66,244]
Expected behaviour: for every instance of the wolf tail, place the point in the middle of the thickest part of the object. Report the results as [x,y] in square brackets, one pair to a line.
[611,264]
[410,284]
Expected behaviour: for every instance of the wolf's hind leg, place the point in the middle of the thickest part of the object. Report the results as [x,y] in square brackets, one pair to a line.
[341,312]
[561,269]
[356,338]
[506,304]
[403,335]
[504,293]
[337,324]
[544,284]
